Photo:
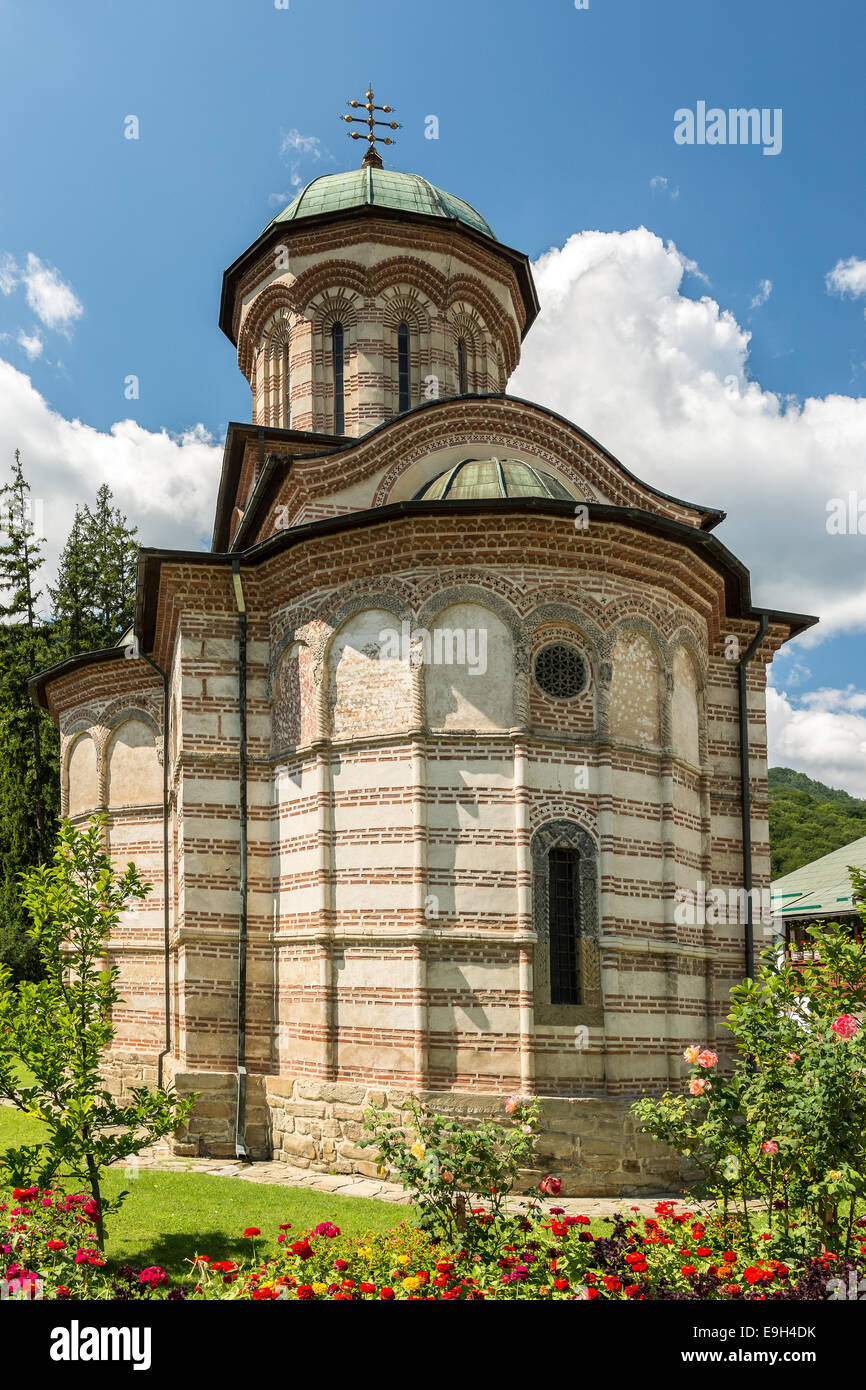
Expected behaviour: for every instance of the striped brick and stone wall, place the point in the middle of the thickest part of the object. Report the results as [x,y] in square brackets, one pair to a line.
[399,813]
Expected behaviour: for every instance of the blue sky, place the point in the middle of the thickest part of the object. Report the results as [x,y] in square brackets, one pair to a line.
[553,121]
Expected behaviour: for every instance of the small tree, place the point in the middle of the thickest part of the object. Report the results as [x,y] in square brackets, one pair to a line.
[57,1030]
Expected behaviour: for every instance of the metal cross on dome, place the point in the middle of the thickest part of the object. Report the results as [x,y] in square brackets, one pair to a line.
[372,155]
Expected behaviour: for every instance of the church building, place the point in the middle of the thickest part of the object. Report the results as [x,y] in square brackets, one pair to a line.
[423,757]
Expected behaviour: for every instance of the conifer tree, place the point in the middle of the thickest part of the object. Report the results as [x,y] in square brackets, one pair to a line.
[28,758]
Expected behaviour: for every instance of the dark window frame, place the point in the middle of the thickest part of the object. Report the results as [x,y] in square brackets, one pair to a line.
[338,359]
[404,367]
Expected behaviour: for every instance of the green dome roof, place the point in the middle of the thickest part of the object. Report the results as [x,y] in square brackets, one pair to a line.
[477,478]
[372,187]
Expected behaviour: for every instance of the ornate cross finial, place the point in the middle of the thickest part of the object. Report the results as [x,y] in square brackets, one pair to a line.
[372,156]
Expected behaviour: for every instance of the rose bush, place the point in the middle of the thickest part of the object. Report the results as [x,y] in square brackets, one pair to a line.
[448,1165]
[781,1135]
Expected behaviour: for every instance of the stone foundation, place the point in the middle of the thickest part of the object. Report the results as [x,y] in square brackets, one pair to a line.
[593,1145]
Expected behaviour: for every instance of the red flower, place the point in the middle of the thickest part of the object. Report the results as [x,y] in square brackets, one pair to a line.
[252,1231]
[367,1288]
[265,1293]
[56,1244]
[688,1270]
[62,1292]
[611,1283]
[560,1285]
[305,1291]
[703,1250]
[550,1186]
[387,1294]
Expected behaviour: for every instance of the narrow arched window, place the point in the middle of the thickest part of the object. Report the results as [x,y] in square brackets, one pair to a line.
[461,367]
[286,388]
[403,387]
[337,343]
[564,925]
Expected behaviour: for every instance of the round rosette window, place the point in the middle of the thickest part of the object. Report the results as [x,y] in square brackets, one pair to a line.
[560,671]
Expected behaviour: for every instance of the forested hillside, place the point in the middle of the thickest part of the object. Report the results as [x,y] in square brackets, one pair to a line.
[808,819]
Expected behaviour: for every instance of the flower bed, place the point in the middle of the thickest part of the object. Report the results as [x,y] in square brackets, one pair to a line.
[47,1246]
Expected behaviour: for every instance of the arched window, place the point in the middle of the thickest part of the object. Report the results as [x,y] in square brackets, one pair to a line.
[403,386]
[337,342]
[286,388]
[567,971]
[462,386]
[563,910]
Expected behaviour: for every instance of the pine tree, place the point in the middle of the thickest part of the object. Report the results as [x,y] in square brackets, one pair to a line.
[95,593]
[28,766]
[70,596]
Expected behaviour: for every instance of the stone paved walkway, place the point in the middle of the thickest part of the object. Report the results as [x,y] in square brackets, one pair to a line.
[160,1159]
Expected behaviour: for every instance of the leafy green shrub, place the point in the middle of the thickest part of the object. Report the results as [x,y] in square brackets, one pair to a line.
[447,1164]
[783,1137]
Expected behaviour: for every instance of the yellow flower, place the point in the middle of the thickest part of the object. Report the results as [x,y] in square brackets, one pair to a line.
[544,1290]
[418,1150]
[834,1175]
[320,1288]
[403,1259]
[410,1285]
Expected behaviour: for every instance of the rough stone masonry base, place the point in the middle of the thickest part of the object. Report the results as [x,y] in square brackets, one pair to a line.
[594,1145]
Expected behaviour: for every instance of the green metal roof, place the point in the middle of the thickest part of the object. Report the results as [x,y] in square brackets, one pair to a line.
[822,888]
[386,188]
[474,478]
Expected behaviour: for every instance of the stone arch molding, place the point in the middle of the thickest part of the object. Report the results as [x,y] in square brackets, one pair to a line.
[567,834]
[568,615]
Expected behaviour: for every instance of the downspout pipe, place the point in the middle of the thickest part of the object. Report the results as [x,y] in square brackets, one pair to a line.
[166,914]
[746,792]
[240,1126]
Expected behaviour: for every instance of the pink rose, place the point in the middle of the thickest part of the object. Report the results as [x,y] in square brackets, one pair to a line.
[769,1146]
[708,1058]
[692,1054]
[845,1026]
[697,1087]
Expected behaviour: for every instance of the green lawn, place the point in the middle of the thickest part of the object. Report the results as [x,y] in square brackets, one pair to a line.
[168,1217]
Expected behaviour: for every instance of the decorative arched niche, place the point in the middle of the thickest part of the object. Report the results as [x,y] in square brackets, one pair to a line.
[686,701]
[294,707]
[133,770]
[634,700]
[565,898]
[369,675]
[82,773]
[467,653]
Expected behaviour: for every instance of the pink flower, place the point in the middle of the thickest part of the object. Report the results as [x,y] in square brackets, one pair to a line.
[769,1146]
[708,1058]
[692,1054]
[697,1088]
[845,1026]
[550,1186]
[153,1276]
[792,1056]
[511,1104]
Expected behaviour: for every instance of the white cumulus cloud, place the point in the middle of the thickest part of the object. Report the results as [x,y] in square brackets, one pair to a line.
[662,380]
[165,484]
[31,343]
[822,734]
[54,303]
[847,277]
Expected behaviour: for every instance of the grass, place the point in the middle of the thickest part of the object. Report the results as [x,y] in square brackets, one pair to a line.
[168,1217]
